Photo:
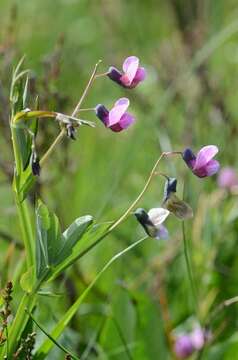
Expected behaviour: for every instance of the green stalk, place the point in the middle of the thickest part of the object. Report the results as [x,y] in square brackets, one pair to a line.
[189,270]
[22,208]
[20,321]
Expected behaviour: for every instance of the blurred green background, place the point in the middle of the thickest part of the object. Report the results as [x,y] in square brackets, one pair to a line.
[190,51]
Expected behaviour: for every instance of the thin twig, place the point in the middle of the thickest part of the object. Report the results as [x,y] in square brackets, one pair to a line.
[92,77]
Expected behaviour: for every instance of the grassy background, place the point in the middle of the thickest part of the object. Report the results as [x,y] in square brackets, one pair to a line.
[189,99]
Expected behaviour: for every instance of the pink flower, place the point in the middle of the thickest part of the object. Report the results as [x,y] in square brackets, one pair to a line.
[188,343]
[117,119]
[132,76]
[228,178]
[183,346]
[203,164]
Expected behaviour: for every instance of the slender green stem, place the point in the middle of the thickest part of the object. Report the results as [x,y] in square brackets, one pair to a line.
[74,113]
[189,269]
[89,84]
[147,184]
[26,229]
[23,212]
[59,328]
[61,347]
[87,109]
[123,340]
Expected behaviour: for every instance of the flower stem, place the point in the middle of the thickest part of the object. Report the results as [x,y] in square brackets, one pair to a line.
[152,173]
[189,269]
[89,84]
[74,113]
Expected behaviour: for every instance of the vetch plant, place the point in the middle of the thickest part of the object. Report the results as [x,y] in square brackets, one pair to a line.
[49,250]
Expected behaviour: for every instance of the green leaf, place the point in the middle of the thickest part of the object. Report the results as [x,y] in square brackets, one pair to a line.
[71,236]
[47,239]
[52,247]
[27,280]
[88,238]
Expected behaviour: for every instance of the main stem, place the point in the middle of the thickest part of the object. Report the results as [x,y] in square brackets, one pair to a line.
[22,208]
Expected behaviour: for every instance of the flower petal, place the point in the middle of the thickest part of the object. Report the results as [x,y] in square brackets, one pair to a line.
[162,233]
[197,338]
[205,155]
[117,111]
[130,67]
[126,120]
[158,215]
[139,76]
[212,167]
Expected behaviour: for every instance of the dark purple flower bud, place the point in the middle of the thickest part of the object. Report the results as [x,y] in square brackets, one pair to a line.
[170,186]
[102,113]
[114,74]
[202,164]
[35,164]
[71,131]
[189,157]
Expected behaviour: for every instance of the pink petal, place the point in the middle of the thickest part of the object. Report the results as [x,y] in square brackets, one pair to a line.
[205,155]
[130,67]
[140,76]
[126,120]
[212,167]
[117,111]
[197,338]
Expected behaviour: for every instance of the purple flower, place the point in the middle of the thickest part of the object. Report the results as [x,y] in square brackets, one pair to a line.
[203,164]
[133,73]
[117,119]
[152,222]
[228,178]
[183,346]
[186,344]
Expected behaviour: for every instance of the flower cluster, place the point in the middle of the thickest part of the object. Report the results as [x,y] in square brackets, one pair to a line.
[117,119]
[202,165]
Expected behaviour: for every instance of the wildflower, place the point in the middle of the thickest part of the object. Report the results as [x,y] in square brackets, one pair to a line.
[117,119]
[187,344]
[228,178]
[203,164]
[183,346]
[132,76]
[172,202]
[152,222]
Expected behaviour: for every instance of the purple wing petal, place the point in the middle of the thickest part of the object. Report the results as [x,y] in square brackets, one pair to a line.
[126,120]
[130,67]
[117,111]
[212,167]
[162,233]
[205,155]
[140,76]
